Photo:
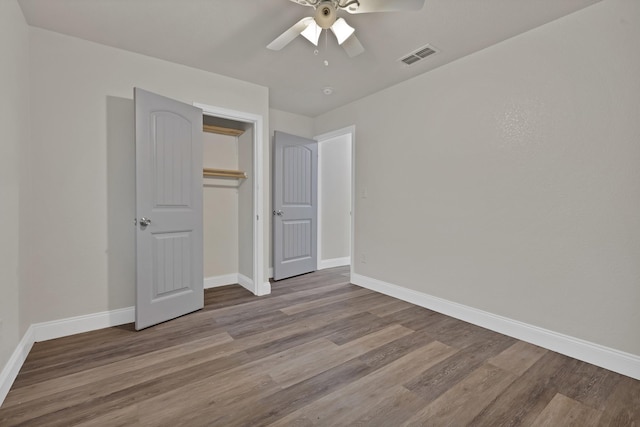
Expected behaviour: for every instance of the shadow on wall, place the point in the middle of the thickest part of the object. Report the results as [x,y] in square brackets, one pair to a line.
[121,200]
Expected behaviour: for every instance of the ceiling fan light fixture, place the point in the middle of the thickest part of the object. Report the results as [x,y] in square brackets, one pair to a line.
[325,18]
[325,15]
[342,30]
[312,32]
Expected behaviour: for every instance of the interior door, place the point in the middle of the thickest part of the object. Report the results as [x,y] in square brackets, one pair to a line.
[295,194]
[169,252]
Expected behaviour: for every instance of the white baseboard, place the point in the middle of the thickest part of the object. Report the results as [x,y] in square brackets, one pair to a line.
[265,289]
[334,262]
[608,358]
[224,280]
[596,354]
[10,371]
[76,325]
[258,290]
[247,283]
[56,329]
[237,278]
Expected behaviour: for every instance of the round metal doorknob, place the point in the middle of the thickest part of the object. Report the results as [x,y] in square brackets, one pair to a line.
[279,213]
[144,221]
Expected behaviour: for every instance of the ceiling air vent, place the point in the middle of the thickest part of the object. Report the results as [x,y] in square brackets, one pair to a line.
[418,55]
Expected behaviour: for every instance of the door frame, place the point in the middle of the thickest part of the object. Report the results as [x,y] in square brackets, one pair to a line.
[260,285]
[349,130]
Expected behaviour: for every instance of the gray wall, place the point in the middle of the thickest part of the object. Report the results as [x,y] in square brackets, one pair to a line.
[14,133]
[508,180]
[220,203]
[81,144]
[295,124]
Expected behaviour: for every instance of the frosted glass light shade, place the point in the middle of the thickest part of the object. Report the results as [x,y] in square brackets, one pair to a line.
[312,33]
[342,30]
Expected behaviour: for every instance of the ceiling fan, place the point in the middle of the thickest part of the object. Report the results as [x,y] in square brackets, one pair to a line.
[326,18]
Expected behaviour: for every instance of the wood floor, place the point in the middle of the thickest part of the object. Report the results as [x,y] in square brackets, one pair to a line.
[318,351]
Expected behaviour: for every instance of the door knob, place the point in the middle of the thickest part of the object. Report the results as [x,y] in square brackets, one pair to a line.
[278,212]
[144,221]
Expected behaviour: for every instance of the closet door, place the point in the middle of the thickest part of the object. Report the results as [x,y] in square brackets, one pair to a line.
[169,252]
[295,195]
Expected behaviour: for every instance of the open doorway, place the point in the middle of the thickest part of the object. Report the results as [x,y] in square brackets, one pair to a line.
[335,197]
[233,200]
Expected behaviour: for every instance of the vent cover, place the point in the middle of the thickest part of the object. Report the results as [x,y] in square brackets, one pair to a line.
[418,55]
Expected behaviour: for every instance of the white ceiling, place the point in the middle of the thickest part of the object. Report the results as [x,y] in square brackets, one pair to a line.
[228,37]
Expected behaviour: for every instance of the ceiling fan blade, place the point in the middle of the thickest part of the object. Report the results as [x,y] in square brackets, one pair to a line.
[369,6]
[287,37]
[352,46]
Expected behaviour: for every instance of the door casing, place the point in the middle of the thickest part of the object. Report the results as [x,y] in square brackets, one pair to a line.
[349,130]
[261,285]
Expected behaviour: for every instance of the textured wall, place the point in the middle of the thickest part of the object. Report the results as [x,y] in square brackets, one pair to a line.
[14,132]
[508,180]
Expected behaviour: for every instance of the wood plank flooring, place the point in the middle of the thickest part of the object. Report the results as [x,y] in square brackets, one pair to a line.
[318,351]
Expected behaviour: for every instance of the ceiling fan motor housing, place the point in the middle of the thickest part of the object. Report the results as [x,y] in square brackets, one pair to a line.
[325,15]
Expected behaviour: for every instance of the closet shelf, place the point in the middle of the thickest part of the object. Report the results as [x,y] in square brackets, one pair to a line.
[223,173]
[222,130]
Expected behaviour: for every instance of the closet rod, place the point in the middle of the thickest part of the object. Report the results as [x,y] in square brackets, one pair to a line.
[223,173]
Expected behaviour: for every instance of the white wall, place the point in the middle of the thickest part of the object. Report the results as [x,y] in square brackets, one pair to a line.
[334,193]
[81,257]
[14,134]
[295,124]
[220,202]
[508,181]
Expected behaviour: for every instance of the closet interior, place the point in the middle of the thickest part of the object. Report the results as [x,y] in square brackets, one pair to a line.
[227,201]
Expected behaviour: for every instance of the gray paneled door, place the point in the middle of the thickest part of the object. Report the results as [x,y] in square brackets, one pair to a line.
[169,253]
[295,195]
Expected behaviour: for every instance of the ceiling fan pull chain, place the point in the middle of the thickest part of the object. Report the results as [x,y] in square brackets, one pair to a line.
[326,47]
